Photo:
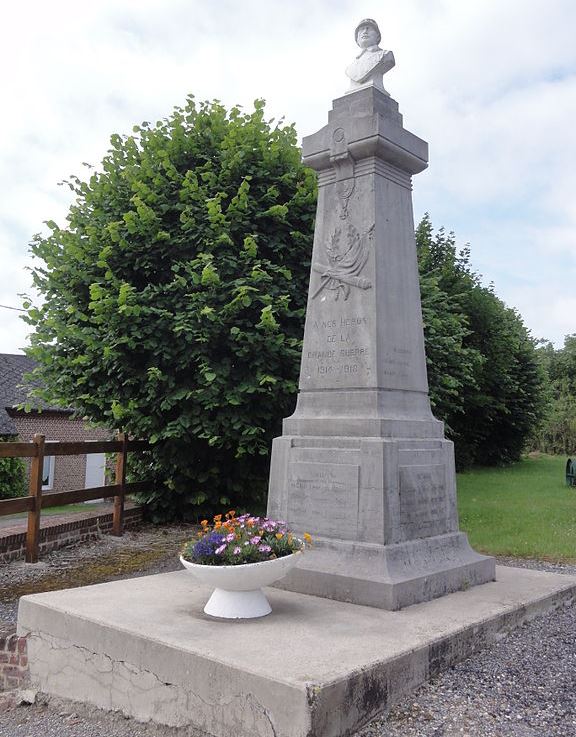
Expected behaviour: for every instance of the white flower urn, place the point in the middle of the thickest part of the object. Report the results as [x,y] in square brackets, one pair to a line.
[238,589]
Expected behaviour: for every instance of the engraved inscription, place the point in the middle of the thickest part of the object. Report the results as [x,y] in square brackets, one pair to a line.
[344,351]
[397,361]
[424,509]
[323,498]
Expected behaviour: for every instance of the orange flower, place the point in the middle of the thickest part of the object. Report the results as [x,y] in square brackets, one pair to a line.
[204,523]
[230,514]
[217,525]
[217,518]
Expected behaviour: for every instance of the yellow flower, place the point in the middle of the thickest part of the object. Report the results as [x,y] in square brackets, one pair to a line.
[279,536]
[307,537]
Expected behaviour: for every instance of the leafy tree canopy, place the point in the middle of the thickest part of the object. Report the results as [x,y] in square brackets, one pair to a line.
[485,378]
[557,433]
[174,297]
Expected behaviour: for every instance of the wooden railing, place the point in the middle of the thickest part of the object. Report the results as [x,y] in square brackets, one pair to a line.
[37,450]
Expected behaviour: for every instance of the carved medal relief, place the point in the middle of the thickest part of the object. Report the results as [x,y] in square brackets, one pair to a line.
[338,349]
[345,248]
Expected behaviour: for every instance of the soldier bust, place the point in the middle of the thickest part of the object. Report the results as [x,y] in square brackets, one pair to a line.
[372,62]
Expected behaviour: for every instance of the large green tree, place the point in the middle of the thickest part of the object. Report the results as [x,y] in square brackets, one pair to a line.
[173,298]
[495,380]
[557,434]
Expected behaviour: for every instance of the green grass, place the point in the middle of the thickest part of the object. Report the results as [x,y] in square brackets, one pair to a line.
[72,508]
[68,509]
[525,510]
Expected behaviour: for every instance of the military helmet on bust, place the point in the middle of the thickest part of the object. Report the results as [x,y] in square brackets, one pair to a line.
[367,22]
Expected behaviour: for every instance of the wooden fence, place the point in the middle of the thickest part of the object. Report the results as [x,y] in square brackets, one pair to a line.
[37,450]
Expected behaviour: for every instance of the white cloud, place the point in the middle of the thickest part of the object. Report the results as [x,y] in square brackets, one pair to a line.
[490,85]
[547,304]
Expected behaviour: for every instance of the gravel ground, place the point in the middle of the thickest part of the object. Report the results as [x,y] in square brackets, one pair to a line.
[116,555]
[522,686]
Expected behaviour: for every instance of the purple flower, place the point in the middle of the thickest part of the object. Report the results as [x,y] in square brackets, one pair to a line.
[237,550]
[255,540]
[265,549]
[220,550]
[230,537]
[205,546]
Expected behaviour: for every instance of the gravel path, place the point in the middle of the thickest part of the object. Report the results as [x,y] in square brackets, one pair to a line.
[522,686]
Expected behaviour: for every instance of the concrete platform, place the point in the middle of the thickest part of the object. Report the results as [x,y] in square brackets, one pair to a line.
[313,668]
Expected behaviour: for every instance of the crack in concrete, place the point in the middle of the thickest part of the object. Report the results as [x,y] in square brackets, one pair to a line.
[183,703]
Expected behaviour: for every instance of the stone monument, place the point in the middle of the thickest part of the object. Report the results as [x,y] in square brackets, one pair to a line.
[362,464]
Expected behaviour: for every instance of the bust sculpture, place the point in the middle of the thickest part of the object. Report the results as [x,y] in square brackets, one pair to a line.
[372,62]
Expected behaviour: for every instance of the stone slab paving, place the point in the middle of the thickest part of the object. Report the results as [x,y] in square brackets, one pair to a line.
[146,648]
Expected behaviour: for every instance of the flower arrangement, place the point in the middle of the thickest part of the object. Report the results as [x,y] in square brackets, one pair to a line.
[239,540]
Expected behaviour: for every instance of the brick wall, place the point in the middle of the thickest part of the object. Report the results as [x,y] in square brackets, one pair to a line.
[13,659]
[57,533]
[69,471]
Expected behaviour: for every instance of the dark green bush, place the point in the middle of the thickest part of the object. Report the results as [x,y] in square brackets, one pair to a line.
[13,478]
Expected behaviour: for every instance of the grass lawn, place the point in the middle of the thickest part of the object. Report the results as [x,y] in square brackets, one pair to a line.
[524,510]
[69,509]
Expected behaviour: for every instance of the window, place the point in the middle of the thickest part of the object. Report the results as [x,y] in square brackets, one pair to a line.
[48,473]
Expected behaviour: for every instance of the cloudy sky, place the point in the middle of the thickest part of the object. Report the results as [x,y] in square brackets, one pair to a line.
[490,84]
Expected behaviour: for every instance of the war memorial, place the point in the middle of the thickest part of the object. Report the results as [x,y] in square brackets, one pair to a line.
[392,592]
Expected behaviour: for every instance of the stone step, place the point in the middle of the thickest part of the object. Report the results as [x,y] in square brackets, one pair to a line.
[313,667]
[326,455]
[420,457]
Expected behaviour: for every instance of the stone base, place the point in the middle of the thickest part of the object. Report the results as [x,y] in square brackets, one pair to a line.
[313,668]
[382,514]
[390,576]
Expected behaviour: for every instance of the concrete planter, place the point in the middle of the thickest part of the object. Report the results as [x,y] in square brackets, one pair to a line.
[238,589]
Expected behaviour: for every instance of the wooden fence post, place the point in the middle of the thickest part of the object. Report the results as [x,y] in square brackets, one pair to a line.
[120,480]
[35,488]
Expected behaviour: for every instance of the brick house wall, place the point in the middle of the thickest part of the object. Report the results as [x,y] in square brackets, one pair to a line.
[69,471]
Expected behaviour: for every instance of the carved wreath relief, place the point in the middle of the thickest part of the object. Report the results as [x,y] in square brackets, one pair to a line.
[347,252]
[347,249]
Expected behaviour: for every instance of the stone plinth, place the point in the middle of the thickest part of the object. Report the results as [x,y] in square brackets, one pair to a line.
[362,463]
[313,668]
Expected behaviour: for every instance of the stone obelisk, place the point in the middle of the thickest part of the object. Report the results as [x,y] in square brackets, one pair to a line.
[362,464]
